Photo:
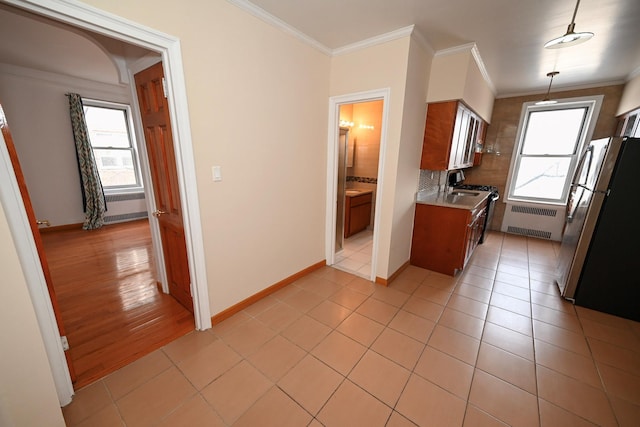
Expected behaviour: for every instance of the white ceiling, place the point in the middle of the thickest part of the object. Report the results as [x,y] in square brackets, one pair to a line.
[32,41]
[509,34]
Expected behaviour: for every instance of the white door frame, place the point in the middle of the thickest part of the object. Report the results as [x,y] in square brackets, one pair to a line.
[93,19]
[332,169]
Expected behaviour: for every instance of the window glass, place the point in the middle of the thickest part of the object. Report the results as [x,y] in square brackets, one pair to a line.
[107,127]
[542,177]
[550,138]
[112,145]
[553,132]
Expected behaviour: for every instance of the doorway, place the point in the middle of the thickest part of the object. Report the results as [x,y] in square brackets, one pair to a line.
[85,17]
[356,151]
[94,270]
[112,310]
[357,177]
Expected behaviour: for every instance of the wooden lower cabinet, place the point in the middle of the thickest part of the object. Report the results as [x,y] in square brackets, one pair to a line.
[357,213]
[444,238]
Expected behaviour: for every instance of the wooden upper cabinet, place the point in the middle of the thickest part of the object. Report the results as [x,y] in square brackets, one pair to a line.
[451,133]
[438,134]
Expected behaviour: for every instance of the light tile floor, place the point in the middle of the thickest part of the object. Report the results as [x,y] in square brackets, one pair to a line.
[493,346]
[355,256]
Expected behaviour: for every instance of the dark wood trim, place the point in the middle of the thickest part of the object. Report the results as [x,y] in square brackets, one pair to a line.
[394,276]
[236,308]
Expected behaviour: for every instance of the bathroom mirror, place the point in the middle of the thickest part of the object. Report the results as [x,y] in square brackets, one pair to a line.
[351,151]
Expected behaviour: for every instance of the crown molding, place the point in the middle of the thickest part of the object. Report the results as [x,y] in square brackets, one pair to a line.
[483,70]
[283,26]
[455,50]
[560,89]
[422,41]
[280,24]
[632,75]
[64,80]
[373,41]
[475,53]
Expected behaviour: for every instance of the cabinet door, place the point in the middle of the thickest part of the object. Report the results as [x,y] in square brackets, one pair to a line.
[439,131]
[472,138]
[459,138]
[357,214]
[439,238]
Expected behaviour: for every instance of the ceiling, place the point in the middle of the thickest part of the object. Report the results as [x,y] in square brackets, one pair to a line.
[509,34]
[35,42]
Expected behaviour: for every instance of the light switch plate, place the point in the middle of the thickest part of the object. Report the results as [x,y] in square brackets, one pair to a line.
[216,172]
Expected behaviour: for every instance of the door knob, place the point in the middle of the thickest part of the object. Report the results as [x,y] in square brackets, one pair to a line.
[43,222]
[158,213]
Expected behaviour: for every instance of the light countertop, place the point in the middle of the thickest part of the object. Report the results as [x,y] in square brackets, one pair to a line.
[352,192]
[461,199]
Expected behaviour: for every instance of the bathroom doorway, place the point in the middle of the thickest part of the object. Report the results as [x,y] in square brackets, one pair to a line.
[358,159]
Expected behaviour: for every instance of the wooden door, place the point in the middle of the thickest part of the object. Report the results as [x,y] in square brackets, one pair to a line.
[17,169]
[154,111]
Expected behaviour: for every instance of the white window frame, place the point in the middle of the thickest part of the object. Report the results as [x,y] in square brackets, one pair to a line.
[592,104]
[120,189]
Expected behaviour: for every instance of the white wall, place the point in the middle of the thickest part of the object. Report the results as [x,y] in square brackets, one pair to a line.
[630,97]
[27,392]
[38,113]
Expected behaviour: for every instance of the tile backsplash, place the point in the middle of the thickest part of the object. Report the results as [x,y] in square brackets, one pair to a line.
[432,181]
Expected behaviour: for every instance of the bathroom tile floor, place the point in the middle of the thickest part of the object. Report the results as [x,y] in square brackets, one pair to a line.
[356,254]
[494,346]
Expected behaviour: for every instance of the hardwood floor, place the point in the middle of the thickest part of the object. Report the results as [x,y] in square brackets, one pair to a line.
[111,307]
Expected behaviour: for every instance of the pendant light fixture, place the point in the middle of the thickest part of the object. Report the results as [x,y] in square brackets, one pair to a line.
[571,38]
[547,100]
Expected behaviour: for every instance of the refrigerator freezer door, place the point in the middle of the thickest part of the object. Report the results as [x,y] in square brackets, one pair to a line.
[576,239]
[609,159]
[609,280]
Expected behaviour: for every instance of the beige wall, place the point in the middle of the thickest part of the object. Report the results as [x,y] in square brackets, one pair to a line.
[448,76]
[501,136]
[379,67]
[456,75]
[631,97]
[258,103]
[477,93]
[410,150]
[27,393]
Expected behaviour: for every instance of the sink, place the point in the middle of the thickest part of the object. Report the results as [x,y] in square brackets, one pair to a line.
[464,193]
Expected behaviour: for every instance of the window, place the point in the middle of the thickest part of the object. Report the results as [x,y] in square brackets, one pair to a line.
[113,145]
[550,138]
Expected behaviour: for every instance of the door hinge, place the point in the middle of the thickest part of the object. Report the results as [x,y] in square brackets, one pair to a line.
[164,87]
[65,343]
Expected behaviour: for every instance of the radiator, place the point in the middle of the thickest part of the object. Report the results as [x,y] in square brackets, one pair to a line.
[125,207]
[535,220]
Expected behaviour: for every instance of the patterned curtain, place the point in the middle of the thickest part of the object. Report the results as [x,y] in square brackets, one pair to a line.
[92,191]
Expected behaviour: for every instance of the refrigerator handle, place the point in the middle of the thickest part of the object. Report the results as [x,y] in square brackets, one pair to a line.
[587,152]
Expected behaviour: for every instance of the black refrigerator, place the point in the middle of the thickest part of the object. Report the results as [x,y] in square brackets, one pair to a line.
[599,260]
